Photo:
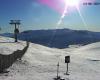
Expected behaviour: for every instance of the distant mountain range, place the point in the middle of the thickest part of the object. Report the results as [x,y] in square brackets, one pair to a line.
[58,38]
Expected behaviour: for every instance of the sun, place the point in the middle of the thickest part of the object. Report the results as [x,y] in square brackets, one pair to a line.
[72,2]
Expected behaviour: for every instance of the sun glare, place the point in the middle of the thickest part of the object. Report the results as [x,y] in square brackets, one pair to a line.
[72,2]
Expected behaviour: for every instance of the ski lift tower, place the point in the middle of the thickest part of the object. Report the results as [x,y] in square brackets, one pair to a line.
[16,30]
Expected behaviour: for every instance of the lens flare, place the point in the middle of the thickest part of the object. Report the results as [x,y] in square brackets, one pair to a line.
[82,18]
[72,2]
[68,4]
[62,17]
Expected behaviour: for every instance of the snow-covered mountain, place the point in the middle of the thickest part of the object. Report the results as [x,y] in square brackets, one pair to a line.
[58,38]
[39,62]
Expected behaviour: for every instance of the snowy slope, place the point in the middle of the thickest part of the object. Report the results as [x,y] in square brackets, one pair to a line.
[39,62]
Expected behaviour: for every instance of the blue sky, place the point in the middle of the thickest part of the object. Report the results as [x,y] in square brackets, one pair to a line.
[34,15]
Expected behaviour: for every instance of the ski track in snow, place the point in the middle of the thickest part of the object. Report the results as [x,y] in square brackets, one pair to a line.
[39,62]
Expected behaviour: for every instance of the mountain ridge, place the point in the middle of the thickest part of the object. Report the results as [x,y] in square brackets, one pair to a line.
[59,38]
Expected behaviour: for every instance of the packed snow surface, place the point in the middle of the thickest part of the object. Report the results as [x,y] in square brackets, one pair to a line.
[40,62]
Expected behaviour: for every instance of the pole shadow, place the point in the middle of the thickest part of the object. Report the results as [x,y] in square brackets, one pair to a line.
[7,60]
